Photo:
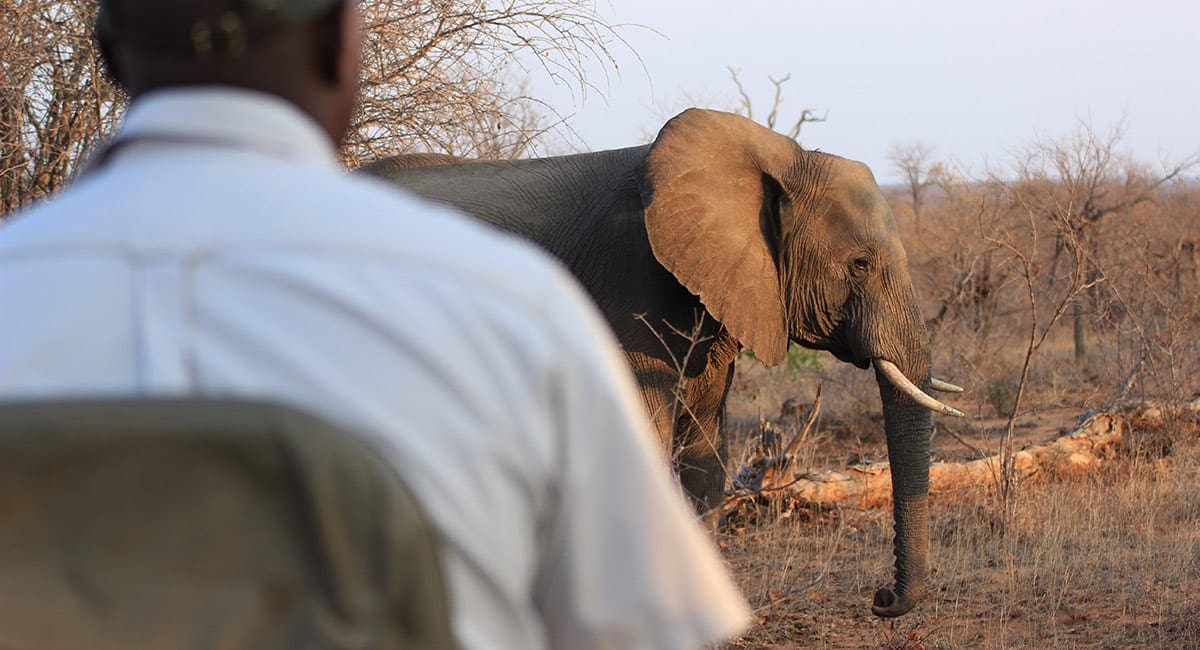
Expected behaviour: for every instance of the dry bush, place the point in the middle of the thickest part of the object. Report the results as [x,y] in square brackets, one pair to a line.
[441,76]
[54,98]
[447,76]
[1100,241]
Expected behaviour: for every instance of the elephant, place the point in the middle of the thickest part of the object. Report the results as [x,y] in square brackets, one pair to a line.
[719,235]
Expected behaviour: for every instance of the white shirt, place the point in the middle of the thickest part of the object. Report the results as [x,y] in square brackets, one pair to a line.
[245,263]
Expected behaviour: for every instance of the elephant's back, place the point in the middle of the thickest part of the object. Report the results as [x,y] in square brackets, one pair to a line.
[551,201]
[392,165]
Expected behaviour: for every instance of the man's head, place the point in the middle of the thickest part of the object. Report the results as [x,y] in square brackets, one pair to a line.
[306,51]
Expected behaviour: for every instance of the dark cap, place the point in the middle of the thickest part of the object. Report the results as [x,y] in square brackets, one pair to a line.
[229,33]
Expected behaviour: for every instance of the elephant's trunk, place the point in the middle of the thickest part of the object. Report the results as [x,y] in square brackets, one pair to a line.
[908,426]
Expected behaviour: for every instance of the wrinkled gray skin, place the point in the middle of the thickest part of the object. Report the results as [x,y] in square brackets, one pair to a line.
[727,228]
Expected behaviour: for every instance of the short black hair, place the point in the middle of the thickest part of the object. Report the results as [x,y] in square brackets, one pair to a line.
[201,28]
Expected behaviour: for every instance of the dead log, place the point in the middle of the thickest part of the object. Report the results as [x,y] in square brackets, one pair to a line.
[1098,436]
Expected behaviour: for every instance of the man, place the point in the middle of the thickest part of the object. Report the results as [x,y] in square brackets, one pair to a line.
[214,248]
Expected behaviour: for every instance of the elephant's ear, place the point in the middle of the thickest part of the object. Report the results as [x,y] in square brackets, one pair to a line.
[704,191]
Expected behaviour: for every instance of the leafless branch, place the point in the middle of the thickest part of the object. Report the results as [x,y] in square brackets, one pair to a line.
[444,76]
[746,105]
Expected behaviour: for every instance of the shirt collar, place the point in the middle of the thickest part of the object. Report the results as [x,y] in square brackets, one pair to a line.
[256,120]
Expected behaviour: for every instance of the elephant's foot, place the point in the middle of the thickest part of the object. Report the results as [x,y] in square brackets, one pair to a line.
[888,604]
[703,479]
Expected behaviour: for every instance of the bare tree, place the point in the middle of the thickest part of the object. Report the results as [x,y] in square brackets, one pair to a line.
[1075,184]
[1022,249]
[54,98]
[746,106]
[447,76]
[958,262]
[1069,190]
[915,163]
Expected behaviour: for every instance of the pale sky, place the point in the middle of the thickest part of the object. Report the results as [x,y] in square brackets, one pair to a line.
[974,79]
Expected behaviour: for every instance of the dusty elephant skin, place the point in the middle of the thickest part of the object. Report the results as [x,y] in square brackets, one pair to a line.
[728,230]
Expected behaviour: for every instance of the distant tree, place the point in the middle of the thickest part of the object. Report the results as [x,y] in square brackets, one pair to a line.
[746,106]
[959,262]
[1076,183]
[743,105]
[915,163]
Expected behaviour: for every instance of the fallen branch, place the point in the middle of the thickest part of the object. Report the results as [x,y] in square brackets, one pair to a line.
[1097,437]
[769,460]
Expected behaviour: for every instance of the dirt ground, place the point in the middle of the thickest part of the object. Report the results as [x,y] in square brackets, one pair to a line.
[1108,561]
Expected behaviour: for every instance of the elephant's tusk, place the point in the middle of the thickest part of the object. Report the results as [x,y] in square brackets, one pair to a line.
[902,383]
[944,386]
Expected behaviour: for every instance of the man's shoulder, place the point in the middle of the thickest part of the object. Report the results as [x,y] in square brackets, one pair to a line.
[306,218]
[311,208]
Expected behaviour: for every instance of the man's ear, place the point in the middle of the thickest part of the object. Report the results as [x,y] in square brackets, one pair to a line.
[350,57]
[108,57]
[327,45]
[339,44]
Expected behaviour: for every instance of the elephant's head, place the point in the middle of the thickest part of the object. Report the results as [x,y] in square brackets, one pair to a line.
[785,244]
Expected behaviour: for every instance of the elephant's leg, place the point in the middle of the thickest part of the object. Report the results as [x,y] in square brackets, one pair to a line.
[700,443]
[658,383]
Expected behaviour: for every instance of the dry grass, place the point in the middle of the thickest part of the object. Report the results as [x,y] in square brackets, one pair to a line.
[1110,561]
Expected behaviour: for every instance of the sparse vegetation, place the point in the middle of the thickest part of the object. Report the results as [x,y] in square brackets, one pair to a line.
[798,359]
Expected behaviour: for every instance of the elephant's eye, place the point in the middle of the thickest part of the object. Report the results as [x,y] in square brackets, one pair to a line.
[861,267]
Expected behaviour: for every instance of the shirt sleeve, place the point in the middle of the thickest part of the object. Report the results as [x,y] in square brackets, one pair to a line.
[626,564]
